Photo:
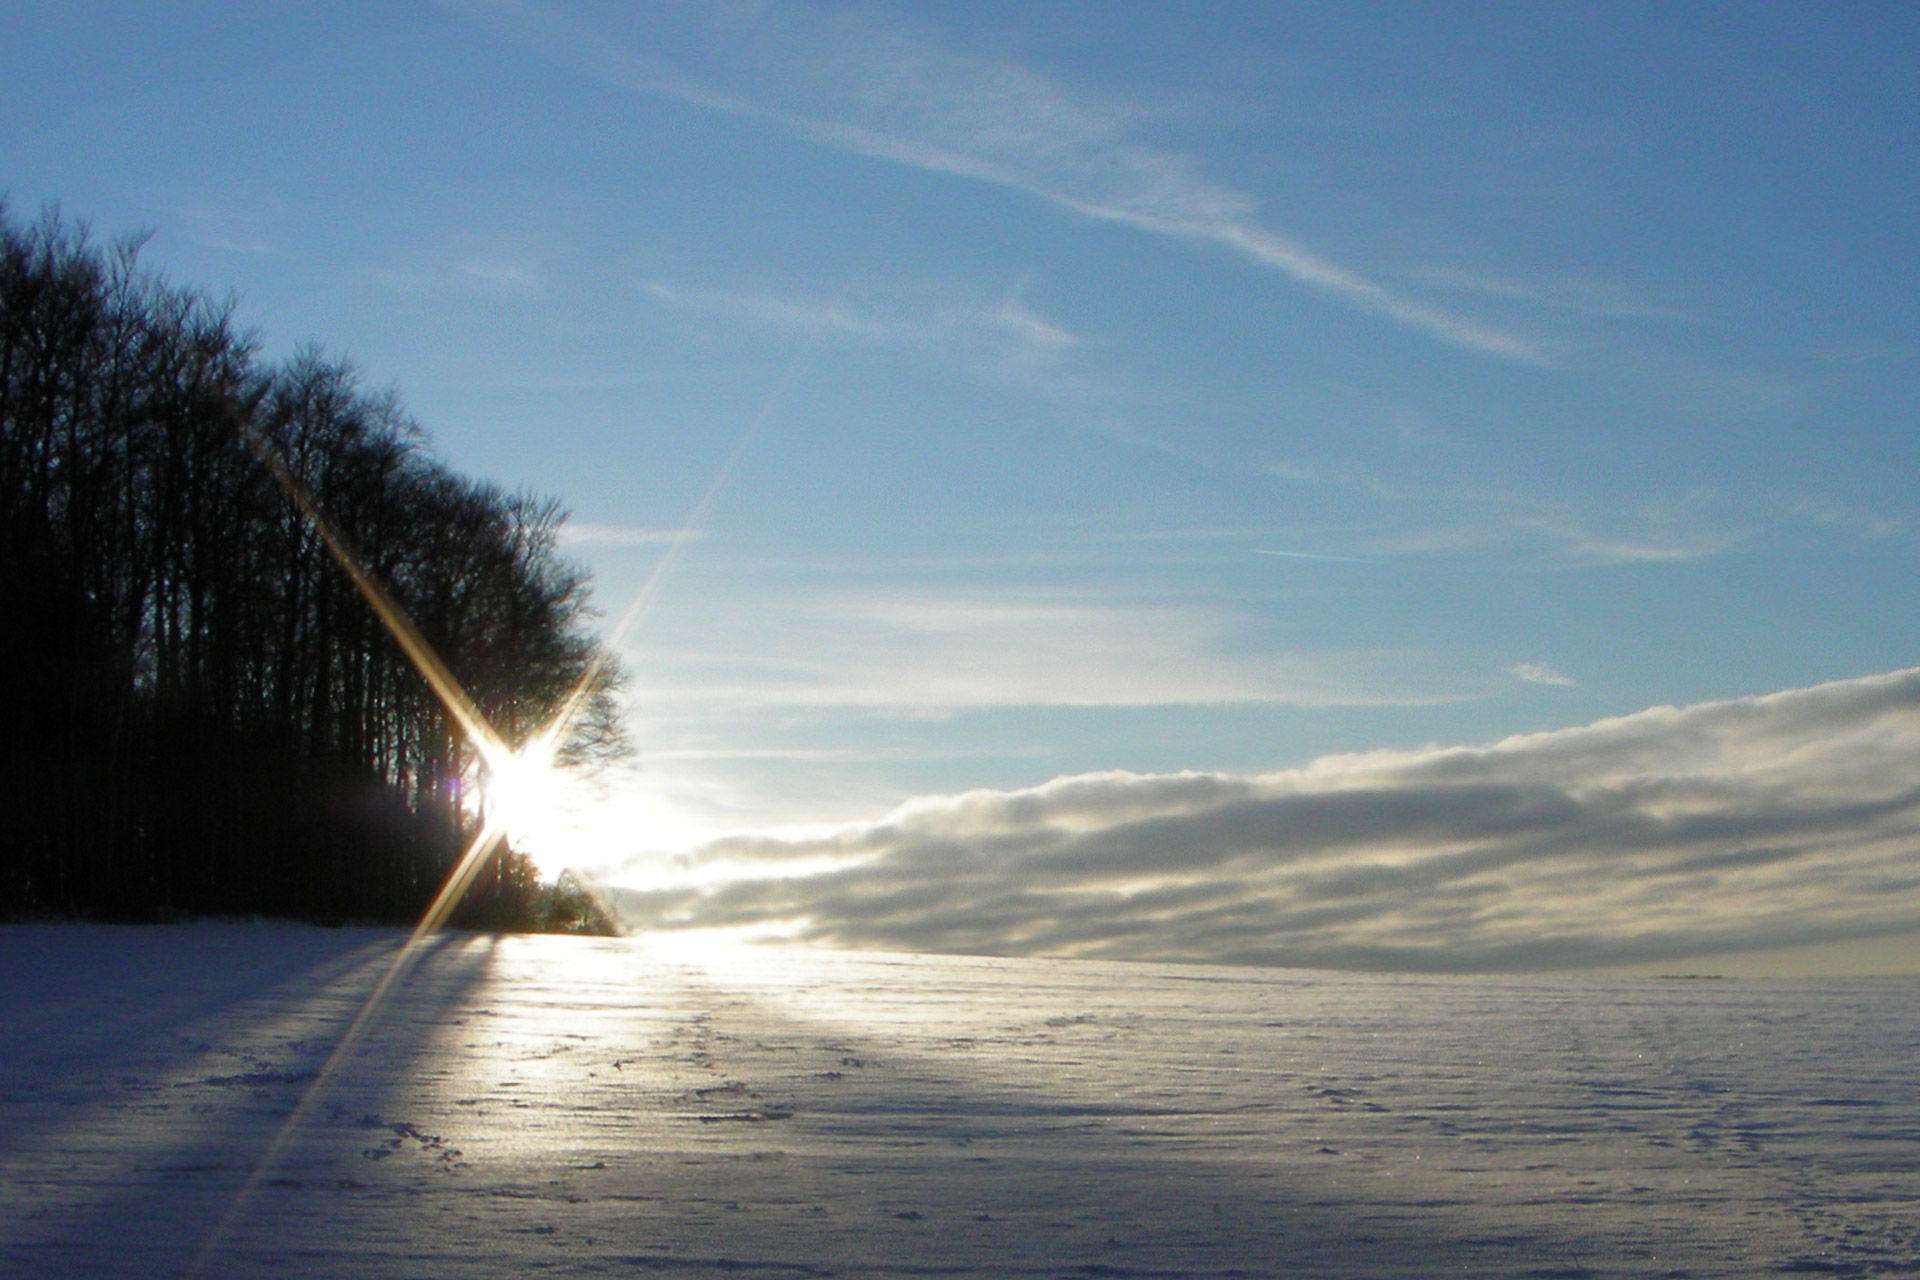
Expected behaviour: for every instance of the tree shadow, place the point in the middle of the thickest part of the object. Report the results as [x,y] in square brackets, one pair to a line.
[627,1120]
[128,1140]
[584,1106]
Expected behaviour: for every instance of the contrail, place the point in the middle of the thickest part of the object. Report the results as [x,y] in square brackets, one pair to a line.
[1311,555]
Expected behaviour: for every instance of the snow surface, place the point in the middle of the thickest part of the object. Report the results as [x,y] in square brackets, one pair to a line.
[553,1105]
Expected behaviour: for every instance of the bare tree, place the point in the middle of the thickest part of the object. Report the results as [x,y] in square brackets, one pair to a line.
[205,715]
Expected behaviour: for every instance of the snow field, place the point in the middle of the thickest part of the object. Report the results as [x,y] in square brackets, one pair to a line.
[552,1105]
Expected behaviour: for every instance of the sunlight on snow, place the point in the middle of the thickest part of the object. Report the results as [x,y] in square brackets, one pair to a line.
[692,1106]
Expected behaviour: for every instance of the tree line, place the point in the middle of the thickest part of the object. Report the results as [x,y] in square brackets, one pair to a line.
[199,714]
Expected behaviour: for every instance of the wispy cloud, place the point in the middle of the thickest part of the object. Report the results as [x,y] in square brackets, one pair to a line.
[1031,333]
[234,219]
[810,316]
[1540,673]
[1647,534]
[854,86]
[1665,529]
[584,532]
[477,262]
[499,269]
[1424,518]
[1310,555]
[1757,822]
[943,652]
[1585,296]
[1827,512]
[930,315]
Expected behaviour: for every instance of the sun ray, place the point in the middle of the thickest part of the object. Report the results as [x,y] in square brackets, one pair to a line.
[663,568]
[439,677]
[496,753]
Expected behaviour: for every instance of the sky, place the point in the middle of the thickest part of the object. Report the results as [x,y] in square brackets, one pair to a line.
[1401,485]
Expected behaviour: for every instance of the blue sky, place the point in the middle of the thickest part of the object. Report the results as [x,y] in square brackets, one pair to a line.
[1108,386]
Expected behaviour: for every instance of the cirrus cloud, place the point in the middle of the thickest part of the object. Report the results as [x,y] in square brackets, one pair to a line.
[846,82]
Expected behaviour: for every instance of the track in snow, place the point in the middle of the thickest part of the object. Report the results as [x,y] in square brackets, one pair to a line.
[578,1107]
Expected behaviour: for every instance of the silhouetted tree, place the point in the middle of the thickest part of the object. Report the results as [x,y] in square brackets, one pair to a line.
[201,712]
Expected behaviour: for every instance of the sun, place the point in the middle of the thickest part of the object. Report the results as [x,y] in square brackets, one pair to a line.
[562,817]
[524,796]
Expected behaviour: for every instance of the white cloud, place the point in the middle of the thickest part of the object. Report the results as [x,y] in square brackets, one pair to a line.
[1310,555]
[575,532]
[1032,332]
[950,652]
[242,220]
[1769,821]
[1584,295]
[494,269]
[1826,512]
[853,86]
[1430,519]
[476,263]
[931,316]
[1540,673]
[813,317]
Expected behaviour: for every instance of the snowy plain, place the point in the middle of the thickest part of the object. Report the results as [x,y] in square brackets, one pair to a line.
[570,1106]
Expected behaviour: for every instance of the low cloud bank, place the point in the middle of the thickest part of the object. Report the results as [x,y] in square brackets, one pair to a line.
[1772,821]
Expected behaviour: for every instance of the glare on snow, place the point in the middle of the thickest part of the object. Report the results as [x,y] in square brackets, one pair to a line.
[627,1106]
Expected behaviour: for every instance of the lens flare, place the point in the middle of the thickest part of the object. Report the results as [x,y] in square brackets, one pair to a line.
[519,787]
[521,776]
[521,793]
